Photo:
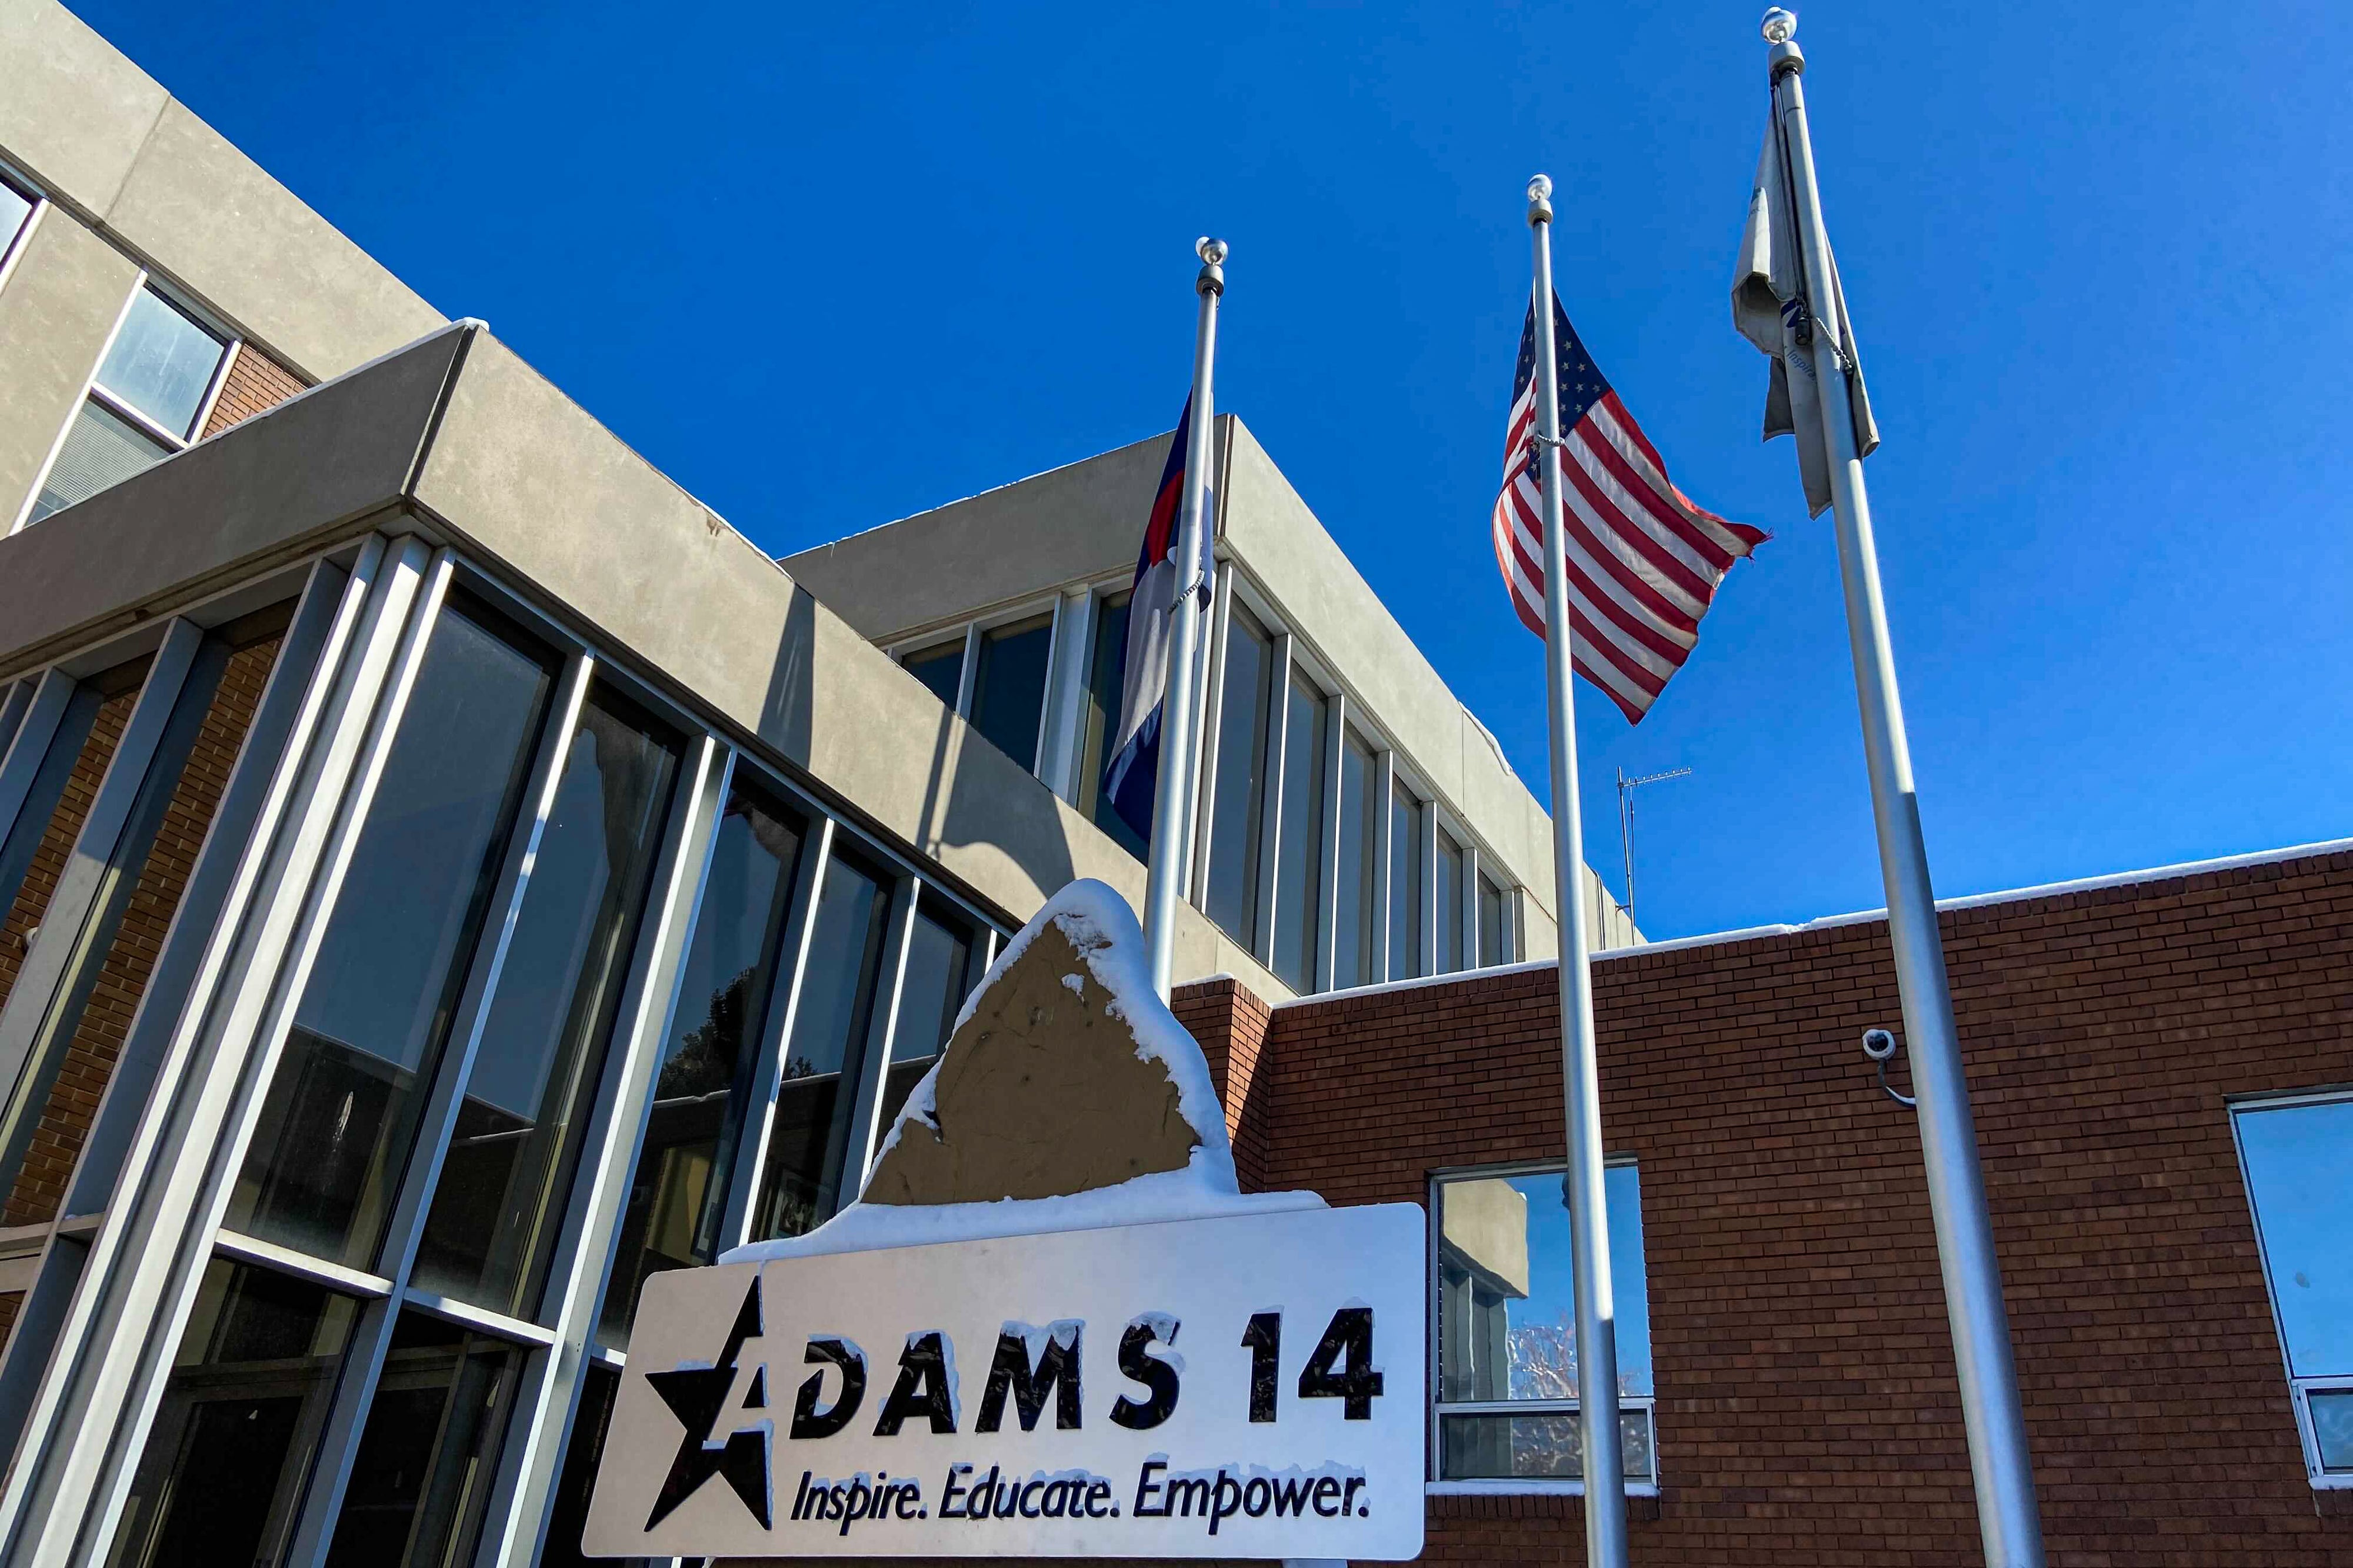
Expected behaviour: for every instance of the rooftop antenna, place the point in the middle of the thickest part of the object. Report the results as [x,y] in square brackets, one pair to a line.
[1626,788]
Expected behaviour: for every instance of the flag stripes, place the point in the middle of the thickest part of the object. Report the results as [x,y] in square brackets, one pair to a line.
[1642,563]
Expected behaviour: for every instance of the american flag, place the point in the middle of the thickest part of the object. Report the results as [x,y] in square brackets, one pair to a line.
[1643,562]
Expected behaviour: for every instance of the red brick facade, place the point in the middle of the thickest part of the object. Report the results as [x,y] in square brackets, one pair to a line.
[256,384]
[1807,1407]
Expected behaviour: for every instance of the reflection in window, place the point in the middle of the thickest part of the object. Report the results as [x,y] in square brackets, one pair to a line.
[1491,948]
[162,364]
[941,670]
[15,207]
[77,1041]
[1009,685]
[568,1518]
[1299,855]
[1405,884]
[2299,1165]
[1106,678]
[1447,899]
[678,1196]
[941,959]
[809,1127]
[428,1455]
[1234,831]
[1355,958]
[336,1132]
[499,1200]
[230,1448]
[1507,1366]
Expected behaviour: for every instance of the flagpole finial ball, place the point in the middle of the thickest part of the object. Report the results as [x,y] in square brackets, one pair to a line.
[1779,26]
[1212,252]
[1540,188]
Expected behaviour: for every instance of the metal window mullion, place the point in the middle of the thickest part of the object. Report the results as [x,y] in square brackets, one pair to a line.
[1270,815]
[1212,710]
[13,704]
[475,1319]
[45,706]
[213,393]
[783,1004]
[99,1389]
[964,672]
[1066,694]
[882,1033]
[1384,848]
[1328,908]
[1472,957]
[371,1340]
[123,409]
[549,1394]
[1054,635]
[83,882]
[269,1255]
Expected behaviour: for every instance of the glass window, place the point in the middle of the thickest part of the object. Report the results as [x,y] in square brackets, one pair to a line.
[1106,679]
[941,670]
[77,1041]
[225,1460]
[678,1196]
[809,1127]
[1298,855]
[1009,685]
[1234,829]
[162,364]
[2299,1164]
[335,1134]
[1506,1330]
[499,1197]
[1356,956]
[568,1519]
[1447,900]
[1405,884]
[428,1455]
[1492,947]
[101,450]
[15,207]
[942,958]
[50,819]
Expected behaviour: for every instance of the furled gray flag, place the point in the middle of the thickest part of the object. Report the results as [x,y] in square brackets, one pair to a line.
[1770,299]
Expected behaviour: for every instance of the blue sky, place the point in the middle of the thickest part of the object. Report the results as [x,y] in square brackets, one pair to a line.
[830,266]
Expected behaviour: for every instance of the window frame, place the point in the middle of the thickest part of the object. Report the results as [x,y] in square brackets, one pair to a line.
[38,198]
[1062,627]
[1433,1483]
[2299,1389]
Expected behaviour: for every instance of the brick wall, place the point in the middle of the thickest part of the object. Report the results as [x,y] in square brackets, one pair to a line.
[256,383]
[29,900]
[1807,1407]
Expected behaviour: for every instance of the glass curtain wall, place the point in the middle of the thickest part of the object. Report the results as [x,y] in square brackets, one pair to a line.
[1405,884]
[1009,685]
[1299,851]
[944,960]
[1356,953]
[1099,732]
[1244,708]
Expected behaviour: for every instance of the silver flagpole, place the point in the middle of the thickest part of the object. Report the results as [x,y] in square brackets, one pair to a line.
[1172,790]
[2008,1524]
[1588,1216]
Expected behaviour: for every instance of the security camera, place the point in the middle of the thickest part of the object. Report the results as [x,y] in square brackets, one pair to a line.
[1878,1045]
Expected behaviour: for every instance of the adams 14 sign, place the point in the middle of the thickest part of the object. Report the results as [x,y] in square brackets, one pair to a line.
[1238,1387]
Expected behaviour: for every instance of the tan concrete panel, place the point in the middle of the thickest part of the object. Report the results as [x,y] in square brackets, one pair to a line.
[61,302]
[74,112]
[1016,541]
[208,216]
[223,510]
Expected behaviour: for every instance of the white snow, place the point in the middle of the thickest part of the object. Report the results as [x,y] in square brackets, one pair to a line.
[1101,926]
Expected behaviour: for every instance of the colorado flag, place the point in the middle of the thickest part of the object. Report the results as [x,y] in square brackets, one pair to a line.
[1131,777]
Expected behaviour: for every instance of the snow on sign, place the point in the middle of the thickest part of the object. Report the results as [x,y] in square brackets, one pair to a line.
[1247,1386]
[1051,1326]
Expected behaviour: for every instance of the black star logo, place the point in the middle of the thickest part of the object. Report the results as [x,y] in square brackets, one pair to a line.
[696,1395]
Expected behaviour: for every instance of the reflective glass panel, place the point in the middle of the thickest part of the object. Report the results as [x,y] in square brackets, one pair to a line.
[1405,884]
[1009,685]
[1447,897]
[569,1519]
[428,1455]
[941,957]
[101,450]
[64,784]
[500,1197]
[1492,950]
[1547,1446]
[1356,957]
[14,208]
[1106,679]
[336,1132]
[79,1037]
[1298,855]
[162,364]
[678,1196]
[1240,801]
[2332,1424]
[225,1460]
[2300,1177]
[941,670]
[810,1126]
